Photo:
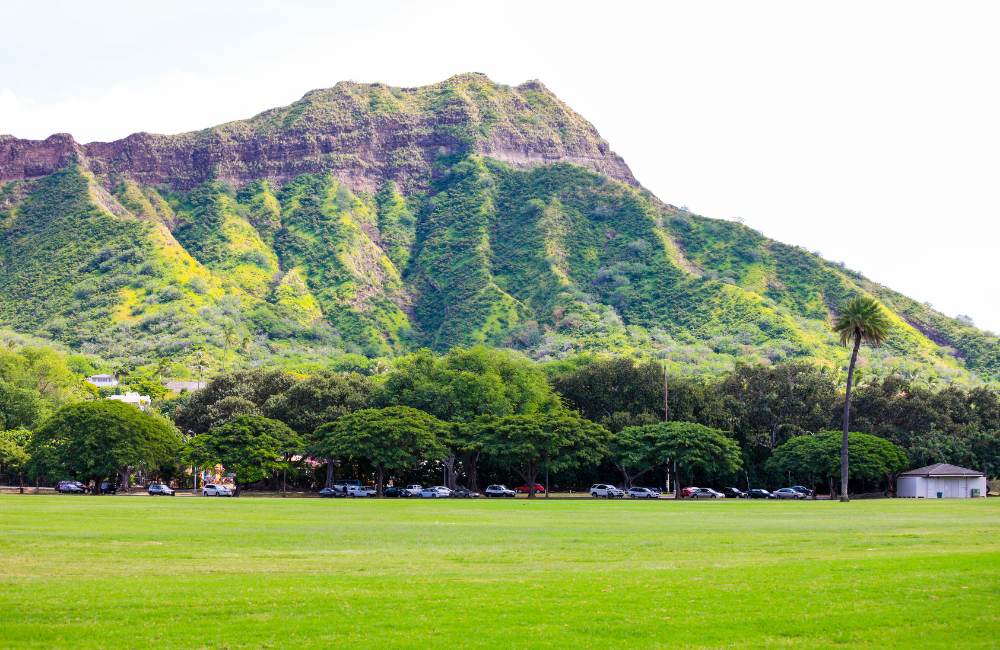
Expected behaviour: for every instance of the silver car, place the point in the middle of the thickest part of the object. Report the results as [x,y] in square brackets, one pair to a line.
[788,493]
[642,493]
[706,493]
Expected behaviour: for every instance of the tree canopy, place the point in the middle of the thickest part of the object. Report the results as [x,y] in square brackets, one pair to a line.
[249,446]
[93,440]
[395,437]
[230,395]
[697,449]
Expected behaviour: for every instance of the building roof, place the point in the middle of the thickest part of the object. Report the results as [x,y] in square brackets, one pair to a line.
[942,469]
[177,386]
[101,377]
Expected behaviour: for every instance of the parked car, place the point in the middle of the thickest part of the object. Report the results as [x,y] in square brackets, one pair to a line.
[706,493]
[216,490]
[686,492]
[498,491]
[788,493]
[606,490]
[159,489]
[72,487]
[433,493]
[464,493]
[394,493]
[444,489]
[804,491]
[345,483]
[354,491]
[642,493]
[524,489]
[330,493]
[109,488]
[733,493]
[758,493]
[414,490]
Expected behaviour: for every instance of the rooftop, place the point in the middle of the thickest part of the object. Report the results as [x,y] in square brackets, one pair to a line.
[942,469]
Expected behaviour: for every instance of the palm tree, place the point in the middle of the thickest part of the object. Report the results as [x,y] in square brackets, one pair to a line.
[161,366]
[861,320]
[199,365]
[244,348]
[229,338]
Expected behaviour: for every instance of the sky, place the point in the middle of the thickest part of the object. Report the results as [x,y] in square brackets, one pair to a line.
[866,131]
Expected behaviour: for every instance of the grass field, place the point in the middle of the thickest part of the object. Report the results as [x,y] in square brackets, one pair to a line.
[136,572]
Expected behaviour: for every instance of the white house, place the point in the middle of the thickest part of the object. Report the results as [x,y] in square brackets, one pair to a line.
[950,481]
[135,399]
[102,381]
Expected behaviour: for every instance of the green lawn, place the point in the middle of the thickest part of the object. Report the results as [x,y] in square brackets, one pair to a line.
[136,572]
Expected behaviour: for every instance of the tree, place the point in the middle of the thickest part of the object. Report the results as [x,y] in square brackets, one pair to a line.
[818,457]
[395,437]
[694,447]
[633,452]
[162,365]
[228,338]
[861,320]
[230,395]
[93,440]
[251,446]
[462,386]
[526,444]
[13,453]
[324,397]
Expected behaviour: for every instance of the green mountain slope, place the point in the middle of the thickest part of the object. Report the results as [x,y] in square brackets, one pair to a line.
[472,213]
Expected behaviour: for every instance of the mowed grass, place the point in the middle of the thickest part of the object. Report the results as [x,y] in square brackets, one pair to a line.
[140,572]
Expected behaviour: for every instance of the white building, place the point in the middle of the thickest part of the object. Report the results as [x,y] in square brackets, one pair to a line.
[135,399]
[950,481]
[102,381]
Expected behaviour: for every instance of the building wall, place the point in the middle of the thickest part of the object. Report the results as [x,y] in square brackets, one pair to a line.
[910,487]
[951,487]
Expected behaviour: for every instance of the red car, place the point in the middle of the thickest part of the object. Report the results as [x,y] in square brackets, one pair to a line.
[686,492]
[524,489]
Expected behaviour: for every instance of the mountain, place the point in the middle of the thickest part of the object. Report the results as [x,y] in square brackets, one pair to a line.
[367,219]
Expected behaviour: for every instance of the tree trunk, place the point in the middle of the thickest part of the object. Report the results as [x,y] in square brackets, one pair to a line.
[471,470]
[381,473]
[847,419]
[20,478]
[449,465]
[329,473]
[97,486]
[236,492]
[666,396]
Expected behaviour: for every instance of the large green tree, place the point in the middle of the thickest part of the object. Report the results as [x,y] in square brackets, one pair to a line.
[96,439]
[251,446]
[230,395]
[861,320]
[319,399]
[694,447]
[817,457]
[14,455]
[633,451]
[558,441]
[395,437]
[464,385]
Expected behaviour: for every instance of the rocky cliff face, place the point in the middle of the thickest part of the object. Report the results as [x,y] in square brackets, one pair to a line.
[364,134]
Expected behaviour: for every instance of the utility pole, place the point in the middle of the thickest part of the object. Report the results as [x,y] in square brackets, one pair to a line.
[666,396]
[546,482]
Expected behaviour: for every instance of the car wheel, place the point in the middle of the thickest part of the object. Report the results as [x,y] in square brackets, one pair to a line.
[593,494]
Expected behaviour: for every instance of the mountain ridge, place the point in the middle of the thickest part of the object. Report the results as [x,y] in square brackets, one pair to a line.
[371,220]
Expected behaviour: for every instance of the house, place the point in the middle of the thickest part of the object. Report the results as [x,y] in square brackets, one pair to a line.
[102,381]
[189,386]
[135,399]
[941,481]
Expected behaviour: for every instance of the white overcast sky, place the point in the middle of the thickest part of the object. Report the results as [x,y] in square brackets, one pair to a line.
[867,131]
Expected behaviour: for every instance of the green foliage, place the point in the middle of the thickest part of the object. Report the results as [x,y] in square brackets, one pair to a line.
[320,399]
[230,395]
[249,446]
[817,457]
[698,450]
[529,443]
[94,440]
[395,437]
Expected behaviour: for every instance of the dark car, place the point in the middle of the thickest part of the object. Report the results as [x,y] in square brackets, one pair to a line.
[109,488]
[330,493]
[70,487]
[802,490]
[757,493]
[395,493]
[733,493]
[464,493]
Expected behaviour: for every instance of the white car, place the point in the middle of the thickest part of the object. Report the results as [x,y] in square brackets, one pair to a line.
[361,491]
[606,490]
[434,493]
[642,493]
[499,491]
[441,488]
[160,489]
[414,490]
[216,490]
[706,493]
